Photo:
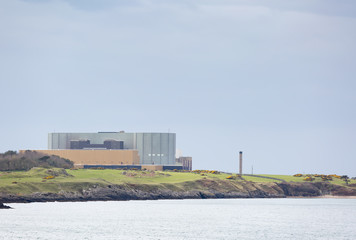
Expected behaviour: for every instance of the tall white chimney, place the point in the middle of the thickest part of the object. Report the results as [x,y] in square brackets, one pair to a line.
[240,163]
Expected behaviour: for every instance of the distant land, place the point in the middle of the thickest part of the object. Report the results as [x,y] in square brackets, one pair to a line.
[58,184]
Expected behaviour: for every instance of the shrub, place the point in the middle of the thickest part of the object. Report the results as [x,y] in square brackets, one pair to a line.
[345,178]
[230,177]
[309,179]
[48,177]
[326,177]
[13,161]
[298,175]
[205,171]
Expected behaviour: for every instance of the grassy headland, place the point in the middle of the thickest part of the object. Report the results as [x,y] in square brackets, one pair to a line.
[42,184]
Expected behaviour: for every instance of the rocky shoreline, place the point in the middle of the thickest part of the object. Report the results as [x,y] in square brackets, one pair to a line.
[200,190]
[3,206]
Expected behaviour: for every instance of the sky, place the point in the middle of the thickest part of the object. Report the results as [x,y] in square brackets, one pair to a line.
[272,78]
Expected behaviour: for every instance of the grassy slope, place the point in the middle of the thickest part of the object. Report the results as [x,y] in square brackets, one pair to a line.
[289,178]
[32,181]
[257,179]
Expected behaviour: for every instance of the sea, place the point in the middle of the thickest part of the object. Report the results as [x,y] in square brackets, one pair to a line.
[284,218]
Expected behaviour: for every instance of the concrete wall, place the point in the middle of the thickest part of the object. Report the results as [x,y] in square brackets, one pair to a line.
[153,148]
[156,148]
[62,140]
[186,162]
[97,157]
[152,167]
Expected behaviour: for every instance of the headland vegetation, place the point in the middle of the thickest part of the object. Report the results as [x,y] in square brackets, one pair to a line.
[58,184]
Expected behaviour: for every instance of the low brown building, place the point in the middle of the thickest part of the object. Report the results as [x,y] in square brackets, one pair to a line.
[96,157]
[152,167]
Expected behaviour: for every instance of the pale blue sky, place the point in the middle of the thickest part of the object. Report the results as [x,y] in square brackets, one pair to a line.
[275,79]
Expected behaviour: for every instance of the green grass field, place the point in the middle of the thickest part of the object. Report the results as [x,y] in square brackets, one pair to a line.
[33,180]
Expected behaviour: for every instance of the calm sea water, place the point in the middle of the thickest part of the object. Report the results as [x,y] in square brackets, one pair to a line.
[183,219]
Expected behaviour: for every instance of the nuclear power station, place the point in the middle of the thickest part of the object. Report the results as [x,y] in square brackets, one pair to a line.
[155,151]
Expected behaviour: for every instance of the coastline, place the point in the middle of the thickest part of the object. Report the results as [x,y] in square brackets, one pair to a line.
[48,185]
[325,196]
[340,197]
[206,189]
[6,206]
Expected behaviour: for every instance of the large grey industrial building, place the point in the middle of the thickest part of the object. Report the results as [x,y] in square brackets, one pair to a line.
[153,148]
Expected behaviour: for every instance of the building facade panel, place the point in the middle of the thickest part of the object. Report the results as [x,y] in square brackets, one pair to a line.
[172,149]
[146,156]
[164,147]
[156,148]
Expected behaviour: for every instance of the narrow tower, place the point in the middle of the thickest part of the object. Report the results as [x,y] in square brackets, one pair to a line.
[240,163]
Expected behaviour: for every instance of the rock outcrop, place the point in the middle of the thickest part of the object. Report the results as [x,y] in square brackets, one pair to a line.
[3,206]
[200,189]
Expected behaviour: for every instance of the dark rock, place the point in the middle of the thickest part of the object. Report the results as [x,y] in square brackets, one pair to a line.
[3,206]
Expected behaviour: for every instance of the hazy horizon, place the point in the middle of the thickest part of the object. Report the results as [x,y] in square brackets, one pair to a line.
[274,79]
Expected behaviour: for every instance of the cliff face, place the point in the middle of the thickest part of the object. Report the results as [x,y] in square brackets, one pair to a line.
[316,189]
[199,189]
